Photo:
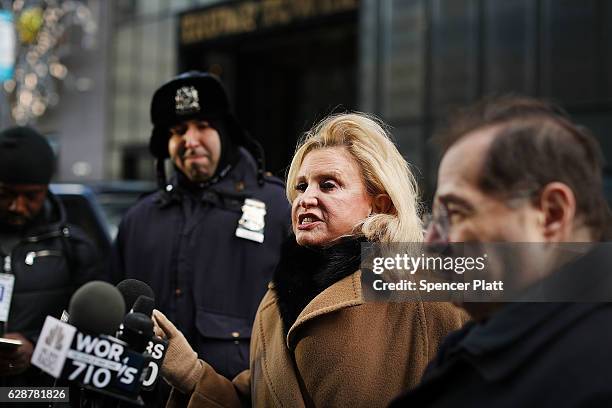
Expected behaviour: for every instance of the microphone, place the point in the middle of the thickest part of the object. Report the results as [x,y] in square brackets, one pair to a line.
[96,307]
[137,331]
[131,289]
[84,351]
[156,346]
[144,305]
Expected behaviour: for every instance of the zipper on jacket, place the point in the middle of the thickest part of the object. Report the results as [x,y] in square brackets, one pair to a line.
[32,255]
[51,234]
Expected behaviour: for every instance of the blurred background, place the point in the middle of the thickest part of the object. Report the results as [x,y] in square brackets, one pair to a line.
[83,72]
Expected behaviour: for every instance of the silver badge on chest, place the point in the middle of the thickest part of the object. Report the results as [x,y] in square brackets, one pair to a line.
[187,100]
[252,223]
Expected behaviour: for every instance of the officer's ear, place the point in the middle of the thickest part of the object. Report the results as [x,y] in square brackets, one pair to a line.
[557,205]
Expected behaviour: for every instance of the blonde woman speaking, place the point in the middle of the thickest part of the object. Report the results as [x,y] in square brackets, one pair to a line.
[315,342]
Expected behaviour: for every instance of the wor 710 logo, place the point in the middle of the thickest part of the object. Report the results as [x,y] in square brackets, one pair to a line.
[101,377]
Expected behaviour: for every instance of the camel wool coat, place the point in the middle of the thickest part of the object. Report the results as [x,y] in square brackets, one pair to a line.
[348,353]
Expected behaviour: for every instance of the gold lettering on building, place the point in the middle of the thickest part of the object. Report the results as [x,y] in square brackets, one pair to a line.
[275,12]
[248,16]
[304,8]
[218,22]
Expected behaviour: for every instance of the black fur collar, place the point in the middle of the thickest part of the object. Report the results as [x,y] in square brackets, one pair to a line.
[302,273]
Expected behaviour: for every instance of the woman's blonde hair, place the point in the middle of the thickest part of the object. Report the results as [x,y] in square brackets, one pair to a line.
[383,169]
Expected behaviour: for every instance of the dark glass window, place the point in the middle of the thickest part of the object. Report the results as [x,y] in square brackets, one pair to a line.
[454,42]
[510,38]
[570,50]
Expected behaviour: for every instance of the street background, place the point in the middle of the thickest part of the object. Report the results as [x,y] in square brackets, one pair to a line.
[288,63]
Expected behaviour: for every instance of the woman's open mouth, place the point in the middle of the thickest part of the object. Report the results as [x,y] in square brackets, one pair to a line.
[307,221]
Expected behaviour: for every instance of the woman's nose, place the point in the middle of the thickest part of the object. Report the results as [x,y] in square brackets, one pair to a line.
[308,198]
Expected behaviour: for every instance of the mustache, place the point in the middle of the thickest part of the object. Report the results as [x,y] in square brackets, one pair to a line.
[199,152]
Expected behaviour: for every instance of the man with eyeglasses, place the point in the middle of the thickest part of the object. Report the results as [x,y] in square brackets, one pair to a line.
[518,174]
[208,240]
[44,259]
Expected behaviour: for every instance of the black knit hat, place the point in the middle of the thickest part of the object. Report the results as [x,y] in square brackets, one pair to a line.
[191,95]
[25,157]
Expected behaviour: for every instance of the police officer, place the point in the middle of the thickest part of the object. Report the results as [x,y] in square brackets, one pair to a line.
[43,258]
[208,240]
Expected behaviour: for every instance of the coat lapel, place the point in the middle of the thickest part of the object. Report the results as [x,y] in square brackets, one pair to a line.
[344,293]
[275,362]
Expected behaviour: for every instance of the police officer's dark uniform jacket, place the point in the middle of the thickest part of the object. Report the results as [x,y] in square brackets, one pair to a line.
[182,240]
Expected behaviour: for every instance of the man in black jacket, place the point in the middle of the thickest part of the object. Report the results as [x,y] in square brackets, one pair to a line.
[43,258]
[532,177]
[208,240]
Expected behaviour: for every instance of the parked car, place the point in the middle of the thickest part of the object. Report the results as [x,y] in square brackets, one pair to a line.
[116,197]
[84,211]
[97,208]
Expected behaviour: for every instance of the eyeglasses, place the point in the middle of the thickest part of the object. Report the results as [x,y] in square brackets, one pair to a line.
[438,224]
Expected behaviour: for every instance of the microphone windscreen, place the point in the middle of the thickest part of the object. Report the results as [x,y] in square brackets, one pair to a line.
[131,289]
[144,305]
[137,331]
[140,323]
[96,307]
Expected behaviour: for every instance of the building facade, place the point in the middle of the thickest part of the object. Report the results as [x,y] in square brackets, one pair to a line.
[288,63]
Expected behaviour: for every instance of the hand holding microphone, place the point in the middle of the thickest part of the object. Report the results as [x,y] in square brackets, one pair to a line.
[181,367]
